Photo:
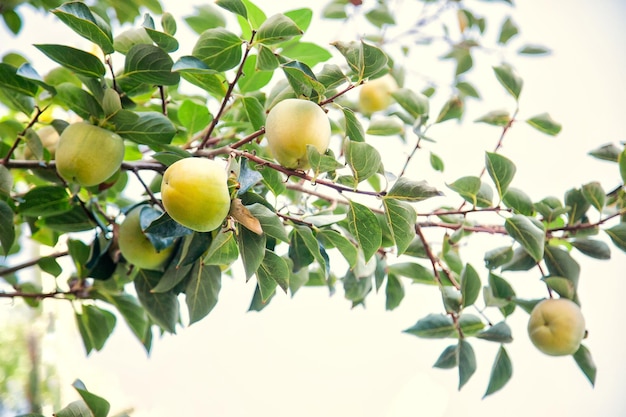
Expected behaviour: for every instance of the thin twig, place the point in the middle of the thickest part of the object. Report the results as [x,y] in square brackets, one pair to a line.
[28,264]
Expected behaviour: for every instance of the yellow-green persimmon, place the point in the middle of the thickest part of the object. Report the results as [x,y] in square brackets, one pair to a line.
[136,247]
[291,125]
[195,193]
[375,95]
[556,326]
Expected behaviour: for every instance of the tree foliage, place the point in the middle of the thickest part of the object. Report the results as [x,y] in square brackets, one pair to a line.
[347,222]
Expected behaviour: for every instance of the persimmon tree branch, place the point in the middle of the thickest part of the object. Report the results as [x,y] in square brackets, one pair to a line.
[31,123]
[12,269]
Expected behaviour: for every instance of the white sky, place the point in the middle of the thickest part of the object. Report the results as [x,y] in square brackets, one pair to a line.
[313,356]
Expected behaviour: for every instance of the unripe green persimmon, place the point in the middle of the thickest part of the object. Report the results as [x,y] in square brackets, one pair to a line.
[136,247]
[195,193]
[293,124]
[375,95]
[88,154]
[556,326]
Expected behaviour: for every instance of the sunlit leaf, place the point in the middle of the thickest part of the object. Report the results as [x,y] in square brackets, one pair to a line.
[527,234]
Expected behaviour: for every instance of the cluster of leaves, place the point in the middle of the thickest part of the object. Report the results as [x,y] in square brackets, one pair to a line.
[287,228]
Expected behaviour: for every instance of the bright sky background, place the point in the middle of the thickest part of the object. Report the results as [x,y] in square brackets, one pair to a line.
[314,356]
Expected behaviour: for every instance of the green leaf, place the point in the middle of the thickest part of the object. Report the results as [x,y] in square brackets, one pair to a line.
[273,180]
[95,325]
[412,191]
[560,263]
[533,50]
[509,79]
[470,285]
[500,288]
[273,271]
[498,257]
[418,273]
[467,187]
[277,28]
[223,250]
[219,49]
[495,118]
[499,332]
[150,64]
[321,162]
[79,100]
[544,123]
[6,180]
[79,61]
[577,203]
[234,6]
[594,194]
[562,286]
[501,170]
[303,238]
[387,126]
[254,111]
[202,290]
[331,76]
[507,31]
[193,116]
[11,80]
[519,201]
[268,61]
[343,244]
[204,17]
[617,234]
[527,234]
[436,162]
[132,312]
[98,406]
[394,292]
[302,79]
[163,307]
[75,220]
[586,364]
[79,18]
[252,250]
[363,59]
[165,41]
[363,159]
[401,218]
[452,109]
[13,20]
[594,248]
[467,362]
[75,409]
[608,152]
[363,225]
[433,326]
[309,53]
[448,358]
[254,79]
[45,201]
[147,128]
[622,165]
[270,222]
[501,372]
[380,16]
[415,104]
[353,127]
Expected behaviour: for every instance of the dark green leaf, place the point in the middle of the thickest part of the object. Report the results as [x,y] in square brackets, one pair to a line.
[501,170]
[98,406]
[394,292]
[80,62]
[469,323]
[75,409]
[436,162]
[448,359]
[509,79]
[219,49]
[470,285]
[270,222]
[302,79]
[433,326]
[202,290]
[234,6]
[11,80]
[254,110]
[593,248]
[401,218]
[500,287]
[412,191]
[562,286]
[363,159]
[7,228]
[132,312]
[147,128]
[252,250]
[544,123]
[96,326]
[79,100]
[594,194]
[415,104]
[277,28]
[501,372]
[617,234]
[577,203]
[364,226]
[499,332]
[467,362]
[273,271]
[507,31]
[519,201]
[321,162]
[533,50]
[586,364]
[163,308]
[527,234]
[498,257]
[223,250]
[560,263]
[353,127]
[418,273]
[165,41]
[467,187]
[343,244]
[622,165]
[79,18]
[452,109]
[608,152]
[45,201]
[364,59]
[150,64]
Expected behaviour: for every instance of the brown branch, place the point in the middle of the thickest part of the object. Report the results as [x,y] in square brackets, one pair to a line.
[584,226]
[28,264]
[31,123]
[37,296]
[229,92]
[429,253]
[147,188]
[128,166]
